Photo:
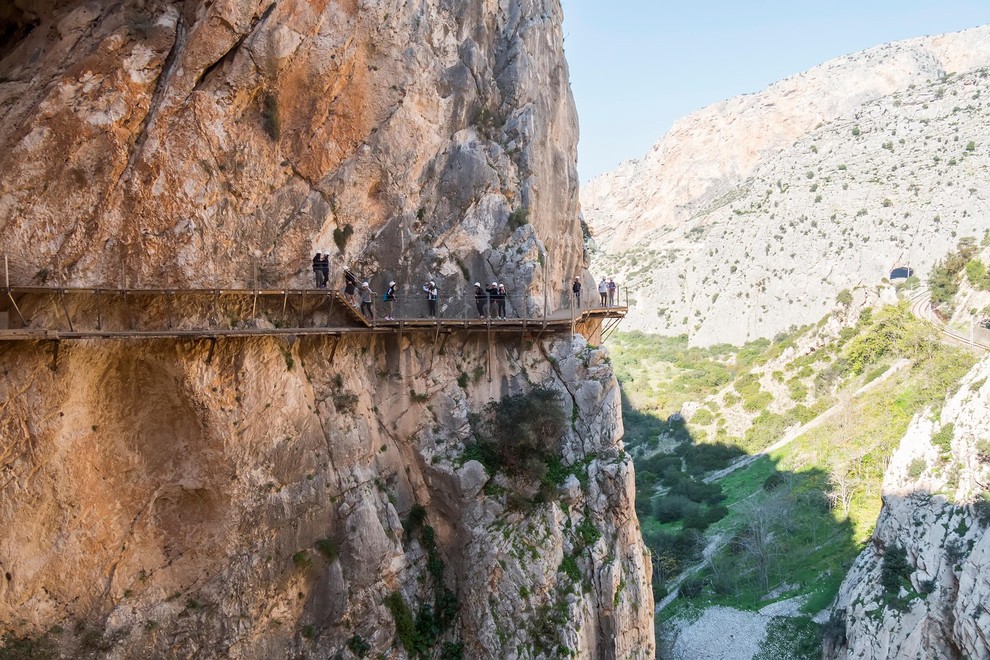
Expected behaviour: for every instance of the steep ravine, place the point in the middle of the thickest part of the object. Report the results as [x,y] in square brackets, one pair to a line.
[287,498]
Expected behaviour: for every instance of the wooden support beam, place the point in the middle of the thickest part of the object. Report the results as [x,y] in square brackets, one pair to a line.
[54,365]
[16,308]
[68,318]
[213,346]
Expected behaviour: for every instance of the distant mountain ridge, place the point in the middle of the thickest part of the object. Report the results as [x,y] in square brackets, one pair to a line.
[751,214]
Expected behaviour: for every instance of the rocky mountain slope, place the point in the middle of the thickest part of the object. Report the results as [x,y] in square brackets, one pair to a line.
[921,588]
[306,498]
[751,215]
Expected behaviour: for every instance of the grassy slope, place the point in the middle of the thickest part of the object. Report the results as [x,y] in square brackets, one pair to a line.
[816,527]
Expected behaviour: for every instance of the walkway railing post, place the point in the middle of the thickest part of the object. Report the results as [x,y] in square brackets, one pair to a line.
[254,304]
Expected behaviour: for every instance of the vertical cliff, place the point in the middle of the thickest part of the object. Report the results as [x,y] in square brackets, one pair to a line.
[921,588]
[309,496]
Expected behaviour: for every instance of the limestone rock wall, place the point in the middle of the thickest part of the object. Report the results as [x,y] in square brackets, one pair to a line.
[935,508]
[172,505]
[198,141]
[270,498]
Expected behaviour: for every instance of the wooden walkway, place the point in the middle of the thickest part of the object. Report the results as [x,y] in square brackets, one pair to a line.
[68,305]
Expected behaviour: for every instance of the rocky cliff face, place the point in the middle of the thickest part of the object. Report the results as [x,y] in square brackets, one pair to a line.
[192,140]
[921,588]
[305,498]
[751,215]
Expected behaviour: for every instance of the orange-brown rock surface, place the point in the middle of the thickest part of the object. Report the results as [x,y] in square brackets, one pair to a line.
[164,498]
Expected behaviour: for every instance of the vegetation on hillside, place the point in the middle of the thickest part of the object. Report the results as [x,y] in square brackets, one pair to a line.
[790,522]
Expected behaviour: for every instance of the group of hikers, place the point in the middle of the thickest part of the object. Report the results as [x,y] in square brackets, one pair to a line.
[490,301]
[607,290]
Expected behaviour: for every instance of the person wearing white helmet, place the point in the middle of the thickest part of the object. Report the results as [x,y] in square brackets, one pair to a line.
[480,297]
[432,294]
[367,296]
[492,291]
[501,301]
[389,299]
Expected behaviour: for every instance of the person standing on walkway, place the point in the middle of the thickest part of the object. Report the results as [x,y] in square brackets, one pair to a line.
[367,296]
[390,301]
[325,270]
[318,270]
[611,292]
[603,292]
[501,301]
[479,299]
[350,286]
[576,290]
[432,294]
[492,291]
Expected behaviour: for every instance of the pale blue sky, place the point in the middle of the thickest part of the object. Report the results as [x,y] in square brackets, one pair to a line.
[638,65]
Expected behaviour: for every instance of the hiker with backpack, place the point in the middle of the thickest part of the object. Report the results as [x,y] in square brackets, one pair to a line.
[611,292]
[501,301]
[603,292]
[389,299]
[576,290]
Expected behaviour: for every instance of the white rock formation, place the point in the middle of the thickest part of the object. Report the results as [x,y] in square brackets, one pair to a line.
[751,215]
[936,508]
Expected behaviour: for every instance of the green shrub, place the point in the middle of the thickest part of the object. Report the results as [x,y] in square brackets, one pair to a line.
[270,119]
[703,417]
[518,218]
[327,548]
[983,450]
[942,440]
[774,481]
[844,297]
[302,559]
[358,646]
[405,626]
[917,468]
[895,570]
[981,509]
[521,433]
[691,587]
[341,235]
[569,567]
[757,402]
[668,508]
[26,648]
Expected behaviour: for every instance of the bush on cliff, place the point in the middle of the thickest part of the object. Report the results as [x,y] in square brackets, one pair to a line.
[520,434]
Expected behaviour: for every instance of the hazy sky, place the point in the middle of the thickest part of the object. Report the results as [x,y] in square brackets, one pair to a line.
[638,65]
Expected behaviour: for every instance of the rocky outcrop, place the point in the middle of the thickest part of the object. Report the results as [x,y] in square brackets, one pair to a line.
[752,215]
[304,497]
[920,588]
